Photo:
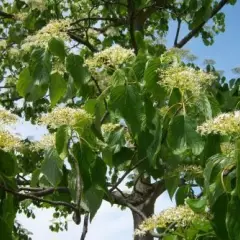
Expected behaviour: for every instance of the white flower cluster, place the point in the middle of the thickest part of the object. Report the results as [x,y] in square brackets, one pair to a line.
[110,127]
[3,44]
[109,58]
[186,79]
[8,141]
[66,116]
[223,124]
[21,16]
[7,117]
[55,28]
[37,4]
[181,216]
[190,169]
[47,141]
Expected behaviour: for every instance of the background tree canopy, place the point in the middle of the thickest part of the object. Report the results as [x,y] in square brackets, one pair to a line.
[120,108]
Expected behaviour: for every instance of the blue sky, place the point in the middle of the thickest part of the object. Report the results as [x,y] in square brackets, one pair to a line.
[226,48]
[112,223]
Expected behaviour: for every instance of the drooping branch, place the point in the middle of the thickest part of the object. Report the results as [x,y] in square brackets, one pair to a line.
[23,196]
[41,192]
[194,31]
[77,214]
[85,227]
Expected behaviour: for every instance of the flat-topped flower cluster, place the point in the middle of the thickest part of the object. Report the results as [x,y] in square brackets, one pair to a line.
[8,141]
[223,124]
[109,58]
[43,36]
[186,79]
[180,216]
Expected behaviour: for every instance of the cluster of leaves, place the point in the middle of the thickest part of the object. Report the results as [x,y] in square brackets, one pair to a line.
[136,122]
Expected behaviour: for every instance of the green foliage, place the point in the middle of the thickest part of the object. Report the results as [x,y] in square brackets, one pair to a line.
[118,118]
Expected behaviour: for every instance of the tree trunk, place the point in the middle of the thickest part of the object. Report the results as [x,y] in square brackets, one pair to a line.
[148,211]
[150,193]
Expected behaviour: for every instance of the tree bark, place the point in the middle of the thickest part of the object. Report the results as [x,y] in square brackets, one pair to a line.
[150,192]
[137,220]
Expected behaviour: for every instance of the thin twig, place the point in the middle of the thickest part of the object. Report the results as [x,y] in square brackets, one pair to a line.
[100,91]
[125,174]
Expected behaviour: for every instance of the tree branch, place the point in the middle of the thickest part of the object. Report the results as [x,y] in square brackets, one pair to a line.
[77,215]
[125,174]
[85,226]
[6,15]
[35,198]
[178,31]
[131,16]
[95,19]
[82,41]
[192,33]
[41,192]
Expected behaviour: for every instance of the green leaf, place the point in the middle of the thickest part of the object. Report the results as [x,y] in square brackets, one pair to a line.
[8,165]
[175,98]
[34,81]
[35,177]
[172,185]
[9,207]
[57,48]
[63,135]
[93,199]
[98,173]
[176,134]
[151,76]
[121,157]
[52,167]
[5,230]
[197,205]
[219,210]
[78,72]
[40,66]
[57,88]
[211,147]
[233,218]
[205,106]
[28,88]
[182,194]
[182,135]
[85,157]
[237,159]
[118,78]
[127,100]
[154,148]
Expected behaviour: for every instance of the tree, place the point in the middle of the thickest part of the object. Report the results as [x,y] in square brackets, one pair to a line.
[119,107]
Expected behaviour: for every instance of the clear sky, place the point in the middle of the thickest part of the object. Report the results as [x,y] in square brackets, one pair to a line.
[111,223]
